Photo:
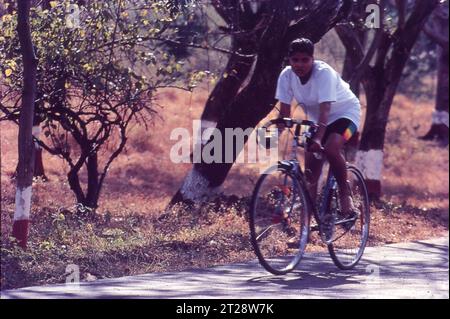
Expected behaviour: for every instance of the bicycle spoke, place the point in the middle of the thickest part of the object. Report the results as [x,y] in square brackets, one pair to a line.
[266,230]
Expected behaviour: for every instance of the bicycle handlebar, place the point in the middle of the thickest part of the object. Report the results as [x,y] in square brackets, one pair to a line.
[289,123]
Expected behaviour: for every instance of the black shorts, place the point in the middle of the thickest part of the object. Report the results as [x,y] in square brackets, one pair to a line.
[342,126]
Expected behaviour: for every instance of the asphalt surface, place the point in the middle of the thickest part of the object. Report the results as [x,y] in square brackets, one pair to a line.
[408,270]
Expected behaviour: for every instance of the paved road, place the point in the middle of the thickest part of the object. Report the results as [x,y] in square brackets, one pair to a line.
[411,270]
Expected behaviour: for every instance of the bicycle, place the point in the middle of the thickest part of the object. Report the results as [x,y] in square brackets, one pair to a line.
[281,210]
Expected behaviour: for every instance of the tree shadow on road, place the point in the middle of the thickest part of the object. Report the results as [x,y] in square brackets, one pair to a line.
[318,273]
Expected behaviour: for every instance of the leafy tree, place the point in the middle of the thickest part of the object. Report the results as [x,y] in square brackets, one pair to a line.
[99,69]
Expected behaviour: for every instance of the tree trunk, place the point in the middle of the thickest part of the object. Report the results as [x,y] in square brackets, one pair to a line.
[75,186]
[26,148]
[233,77]
[88,201]
[440,123]
[347,73]
[93,182]
[370,156]
[236,72]
[437,29]
[39,171]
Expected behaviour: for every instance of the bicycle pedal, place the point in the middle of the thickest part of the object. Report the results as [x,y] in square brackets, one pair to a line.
[349,222]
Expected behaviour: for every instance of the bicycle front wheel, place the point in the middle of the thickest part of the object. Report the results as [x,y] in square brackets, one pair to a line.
[279,221]
[351,234]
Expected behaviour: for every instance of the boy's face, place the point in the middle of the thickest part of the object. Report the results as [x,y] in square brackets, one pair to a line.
[301,63]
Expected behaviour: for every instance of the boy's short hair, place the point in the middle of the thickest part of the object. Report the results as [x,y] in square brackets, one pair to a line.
[302,45]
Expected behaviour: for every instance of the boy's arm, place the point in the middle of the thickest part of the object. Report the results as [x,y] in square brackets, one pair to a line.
[285,110]
[323,120]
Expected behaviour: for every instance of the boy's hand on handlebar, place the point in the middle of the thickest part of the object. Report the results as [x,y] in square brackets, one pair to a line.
[281,127]
[315,146]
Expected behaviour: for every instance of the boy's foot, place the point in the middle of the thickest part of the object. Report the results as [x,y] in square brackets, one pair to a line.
[350,218]
[347,203]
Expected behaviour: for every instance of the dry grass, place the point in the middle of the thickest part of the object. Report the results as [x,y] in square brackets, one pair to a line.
[133,234]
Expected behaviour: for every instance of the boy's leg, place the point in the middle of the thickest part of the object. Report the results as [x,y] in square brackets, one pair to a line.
[313,169]
[333,150]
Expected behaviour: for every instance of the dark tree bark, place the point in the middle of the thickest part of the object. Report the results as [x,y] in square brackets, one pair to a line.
[39,171]
[26,147]
[88,200]
[246,107]
[437,29]
[93,181]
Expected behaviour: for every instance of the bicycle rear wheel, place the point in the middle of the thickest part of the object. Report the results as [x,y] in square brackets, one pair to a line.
[351,234]
[279,221]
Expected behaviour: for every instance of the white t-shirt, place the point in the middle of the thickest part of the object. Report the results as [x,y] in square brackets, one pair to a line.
[325,85]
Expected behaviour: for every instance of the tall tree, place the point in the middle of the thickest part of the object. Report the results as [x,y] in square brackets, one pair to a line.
[437,30]
[260,33]
[390,50]
[26,148]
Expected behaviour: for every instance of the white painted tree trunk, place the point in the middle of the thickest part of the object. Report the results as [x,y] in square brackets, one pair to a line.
[440,118]
[371,164]
[26,152]
[197,188]
[22,214]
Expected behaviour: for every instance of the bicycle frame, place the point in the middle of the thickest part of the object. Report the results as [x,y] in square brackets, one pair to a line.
[330,185]
[294,166]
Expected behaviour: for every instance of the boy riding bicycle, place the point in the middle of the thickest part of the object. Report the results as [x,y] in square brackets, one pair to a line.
[328,101]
